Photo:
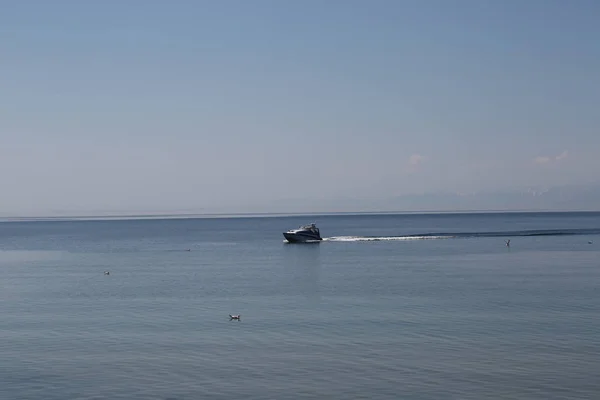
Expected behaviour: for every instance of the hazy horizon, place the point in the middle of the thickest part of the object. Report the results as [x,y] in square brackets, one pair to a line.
[304,107]
[561,199]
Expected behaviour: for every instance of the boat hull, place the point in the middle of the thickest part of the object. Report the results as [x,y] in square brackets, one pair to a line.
[300,238]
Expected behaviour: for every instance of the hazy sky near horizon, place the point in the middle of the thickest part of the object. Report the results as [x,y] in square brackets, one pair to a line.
[164,105]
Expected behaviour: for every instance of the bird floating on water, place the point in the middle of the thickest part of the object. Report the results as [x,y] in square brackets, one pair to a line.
[236,317]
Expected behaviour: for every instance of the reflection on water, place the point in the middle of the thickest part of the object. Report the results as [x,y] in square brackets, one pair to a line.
[303,263]
[13,256]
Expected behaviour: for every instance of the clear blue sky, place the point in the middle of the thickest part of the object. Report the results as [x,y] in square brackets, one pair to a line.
[170,105]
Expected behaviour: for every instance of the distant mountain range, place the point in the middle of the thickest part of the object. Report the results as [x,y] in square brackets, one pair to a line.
[563,198]
[553,199]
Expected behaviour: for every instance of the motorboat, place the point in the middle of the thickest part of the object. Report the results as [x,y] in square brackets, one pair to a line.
[303,234]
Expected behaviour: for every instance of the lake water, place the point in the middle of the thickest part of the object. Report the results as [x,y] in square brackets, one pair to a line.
[386,307]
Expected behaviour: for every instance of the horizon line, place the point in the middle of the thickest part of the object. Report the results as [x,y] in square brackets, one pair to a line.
[167,216]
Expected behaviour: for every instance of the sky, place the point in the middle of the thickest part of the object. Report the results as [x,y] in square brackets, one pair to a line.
[242,106]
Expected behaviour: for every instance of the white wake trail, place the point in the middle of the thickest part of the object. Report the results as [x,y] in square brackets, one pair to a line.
[379,238]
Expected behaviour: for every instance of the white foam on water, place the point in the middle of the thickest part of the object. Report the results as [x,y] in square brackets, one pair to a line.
[380,238]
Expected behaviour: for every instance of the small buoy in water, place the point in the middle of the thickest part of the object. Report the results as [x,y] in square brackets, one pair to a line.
[106,273]
[236,317]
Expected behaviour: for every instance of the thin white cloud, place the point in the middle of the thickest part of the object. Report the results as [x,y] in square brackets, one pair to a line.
[541,160]
[548,159]
[415,159]
[414,163]
[562,156]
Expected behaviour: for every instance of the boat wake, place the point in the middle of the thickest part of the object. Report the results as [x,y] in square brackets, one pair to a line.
[464,235]
[379,238]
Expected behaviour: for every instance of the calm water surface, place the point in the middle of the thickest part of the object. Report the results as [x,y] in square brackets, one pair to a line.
[387,307]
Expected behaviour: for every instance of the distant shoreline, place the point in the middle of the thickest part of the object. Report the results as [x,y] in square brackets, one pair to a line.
[166,216]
